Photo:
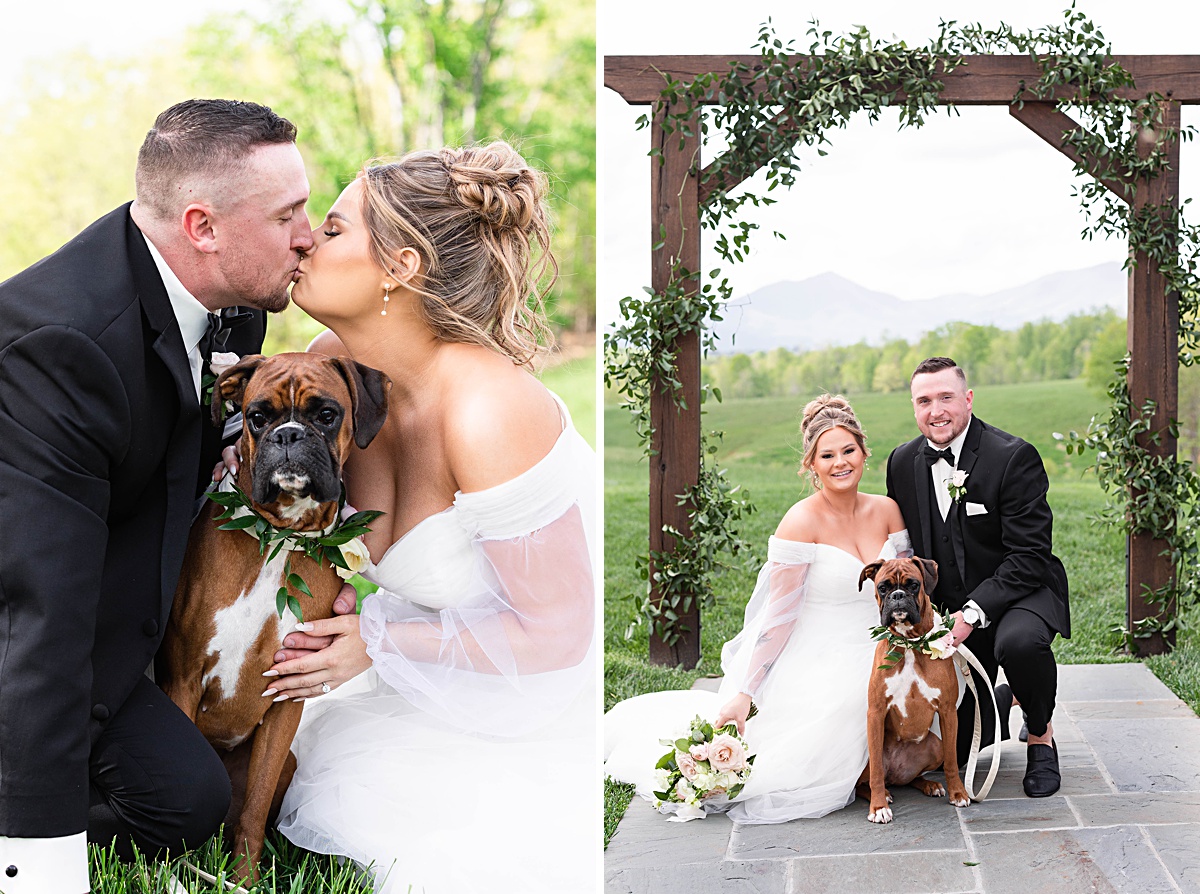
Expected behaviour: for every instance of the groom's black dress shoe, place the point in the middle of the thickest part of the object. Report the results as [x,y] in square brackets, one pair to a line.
[1004,701]
[1042,778]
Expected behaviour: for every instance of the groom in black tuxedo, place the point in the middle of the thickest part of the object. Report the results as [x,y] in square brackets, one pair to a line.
[103,453]
[974,500]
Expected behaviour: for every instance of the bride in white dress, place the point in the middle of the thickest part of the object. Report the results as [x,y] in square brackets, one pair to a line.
[463,759]
[804,655]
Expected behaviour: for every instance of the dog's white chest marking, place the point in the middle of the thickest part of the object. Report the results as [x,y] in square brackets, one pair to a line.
[239,625]
[299,506]
[900,684]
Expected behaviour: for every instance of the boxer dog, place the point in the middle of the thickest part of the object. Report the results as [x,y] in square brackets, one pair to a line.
[300,414]
[903,699]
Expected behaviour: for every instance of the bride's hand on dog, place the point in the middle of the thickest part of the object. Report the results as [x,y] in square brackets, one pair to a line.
[329,651]
[736,710]
[231,458]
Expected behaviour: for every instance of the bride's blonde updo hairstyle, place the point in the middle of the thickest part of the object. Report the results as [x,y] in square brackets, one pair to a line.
[478,218]
[820,415]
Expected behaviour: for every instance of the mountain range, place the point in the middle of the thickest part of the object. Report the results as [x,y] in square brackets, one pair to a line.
[829,309]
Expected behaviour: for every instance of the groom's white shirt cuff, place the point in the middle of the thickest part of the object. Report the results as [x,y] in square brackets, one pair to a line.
[44,865]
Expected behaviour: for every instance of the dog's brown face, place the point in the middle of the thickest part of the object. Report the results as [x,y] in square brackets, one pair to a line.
[902,588]
[300,413]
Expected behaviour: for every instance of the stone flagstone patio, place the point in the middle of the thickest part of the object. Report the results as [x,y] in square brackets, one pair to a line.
[1126,819]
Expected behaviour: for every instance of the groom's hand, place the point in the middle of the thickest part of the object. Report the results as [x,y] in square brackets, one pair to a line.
[297,644]
[961,629]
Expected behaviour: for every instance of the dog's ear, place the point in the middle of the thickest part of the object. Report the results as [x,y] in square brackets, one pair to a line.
[368,396]
[929,571]
[231,385]
[868,573]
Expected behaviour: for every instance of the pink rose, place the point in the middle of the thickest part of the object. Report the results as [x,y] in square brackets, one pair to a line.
[699,752]
[687,766]
[726,753]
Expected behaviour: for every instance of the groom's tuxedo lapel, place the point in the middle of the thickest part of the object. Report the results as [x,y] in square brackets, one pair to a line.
[183,450]
[954,518]
[920,468]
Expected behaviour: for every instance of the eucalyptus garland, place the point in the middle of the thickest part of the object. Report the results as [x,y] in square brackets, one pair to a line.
[772,112]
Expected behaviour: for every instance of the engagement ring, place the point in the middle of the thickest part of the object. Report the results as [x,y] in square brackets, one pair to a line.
[324,689]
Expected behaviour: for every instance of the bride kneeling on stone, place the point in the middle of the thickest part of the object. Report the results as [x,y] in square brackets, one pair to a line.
[804,654]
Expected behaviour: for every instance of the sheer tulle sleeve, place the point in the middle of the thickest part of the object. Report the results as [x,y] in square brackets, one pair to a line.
[514,648]
[771,615]
[900,546]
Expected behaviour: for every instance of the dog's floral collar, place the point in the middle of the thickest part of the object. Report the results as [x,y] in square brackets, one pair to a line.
[937,643]
[339,544]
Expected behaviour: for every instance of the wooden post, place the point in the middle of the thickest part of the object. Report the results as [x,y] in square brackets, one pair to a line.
[675,460]
[1153,341]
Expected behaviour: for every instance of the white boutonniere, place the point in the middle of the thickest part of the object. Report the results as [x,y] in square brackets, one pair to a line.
[956,485]
[221,361]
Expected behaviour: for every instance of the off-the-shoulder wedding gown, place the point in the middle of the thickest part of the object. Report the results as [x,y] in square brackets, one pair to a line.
[464,760]
[805,654]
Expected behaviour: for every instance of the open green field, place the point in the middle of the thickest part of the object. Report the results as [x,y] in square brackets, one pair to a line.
[761,452]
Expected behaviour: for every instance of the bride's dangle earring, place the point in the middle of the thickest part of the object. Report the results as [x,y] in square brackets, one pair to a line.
[387,287]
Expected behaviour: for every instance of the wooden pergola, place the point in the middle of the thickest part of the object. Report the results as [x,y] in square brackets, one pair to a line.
[676,192]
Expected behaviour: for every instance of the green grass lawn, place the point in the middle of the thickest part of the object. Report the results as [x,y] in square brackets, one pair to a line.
[761,451]
[575,382]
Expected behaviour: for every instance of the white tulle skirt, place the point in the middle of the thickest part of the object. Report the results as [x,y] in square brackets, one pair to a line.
[433,810]
[810,735]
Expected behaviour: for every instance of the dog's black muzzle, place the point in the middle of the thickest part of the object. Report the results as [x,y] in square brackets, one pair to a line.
[295,459]
[899,603]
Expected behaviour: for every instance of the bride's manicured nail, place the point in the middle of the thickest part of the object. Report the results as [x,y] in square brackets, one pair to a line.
[269,692]
[280,698]
[271,673]
[304,627]
[297,699]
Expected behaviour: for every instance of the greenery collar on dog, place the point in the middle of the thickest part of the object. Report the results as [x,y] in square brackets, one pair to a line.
[937,643]
[338,544]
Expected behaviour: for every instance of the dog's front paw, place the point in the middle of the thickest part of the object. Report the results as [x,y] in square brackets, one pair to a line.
[930,787]
[881,815]
[960,800]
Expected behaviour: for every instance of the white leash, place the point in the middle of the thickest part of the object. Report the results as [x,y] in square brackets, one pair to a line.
[970,661]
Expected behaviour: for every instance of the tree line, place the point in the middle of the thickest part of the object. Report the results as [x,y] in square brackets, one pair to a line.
[1083,345]
[361,79]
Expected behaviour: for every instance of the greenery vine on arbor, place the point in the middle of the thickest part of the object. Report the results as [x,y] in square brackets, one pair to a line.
[772,112]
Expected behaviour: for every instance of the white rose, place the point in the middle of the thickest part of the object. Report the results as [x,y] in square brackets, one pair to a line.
[703,782]
[662,778]
[356,557]
[221,361]
[685,812]
[959,478]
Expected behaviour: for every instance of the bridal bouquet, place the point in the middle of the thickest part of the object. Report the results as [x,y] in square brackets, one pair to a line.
[701,766]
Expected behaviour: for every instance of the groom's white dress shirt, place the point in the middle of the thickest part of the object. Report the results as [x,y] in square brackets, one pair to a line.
[942,472]
[60,865]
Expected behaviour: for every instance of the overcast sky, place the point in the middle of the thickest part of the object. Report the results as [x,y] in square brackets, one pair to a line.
[974,203]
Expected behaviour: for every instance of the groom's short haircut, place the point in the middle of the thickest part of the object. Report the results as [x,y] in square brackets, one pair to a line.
[201,140]
[936,365]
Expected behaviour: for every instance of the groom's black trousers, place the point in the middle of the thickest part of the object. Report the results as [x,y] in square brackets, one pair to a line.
[1019,641]
[155,781]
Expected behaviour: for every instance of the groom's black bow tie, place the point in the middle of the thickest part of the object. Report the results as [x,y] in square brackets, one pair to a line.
[217,334]
[932,455]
